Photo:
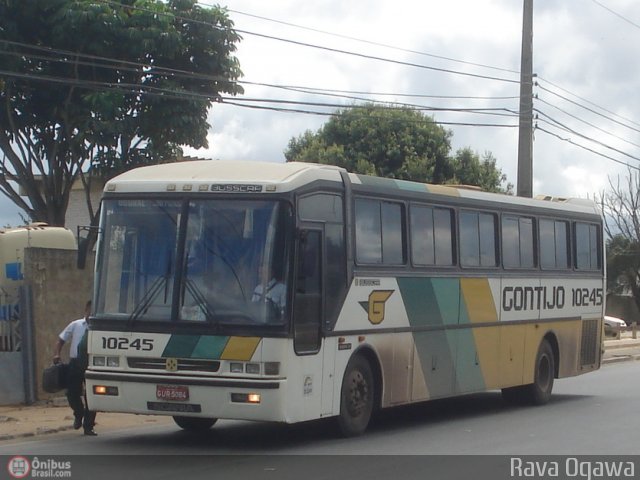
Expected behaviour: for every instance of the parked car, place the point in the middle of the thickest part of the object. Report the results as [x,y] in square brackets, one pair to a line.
[613,324]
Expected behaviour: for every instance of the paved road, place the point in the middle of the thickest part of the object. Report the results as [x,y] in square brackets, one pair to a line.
[595,414]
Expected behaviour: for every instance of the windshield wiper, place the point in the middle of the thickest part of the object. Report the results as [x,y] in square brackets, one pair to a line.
[148,297]
[202,302]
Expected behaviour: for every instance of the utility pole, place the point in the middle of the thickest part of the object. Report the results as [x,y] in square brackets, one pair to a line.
[525,136]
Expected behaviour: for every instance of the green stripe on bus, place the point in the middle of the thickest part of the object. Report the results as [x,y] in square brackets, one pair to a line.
[378,182]
[195,346]
[180,346]
[411,186]
[210,347]
[432,302]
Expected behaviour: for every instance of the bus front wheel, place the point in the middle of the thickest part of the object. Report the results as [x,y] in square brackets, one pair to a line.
[194,424]
[356,397]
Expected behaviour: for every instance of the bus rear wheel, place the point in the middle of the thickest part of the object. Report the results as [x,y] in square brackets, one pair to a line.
[194,424]
[356,397]
[538,392]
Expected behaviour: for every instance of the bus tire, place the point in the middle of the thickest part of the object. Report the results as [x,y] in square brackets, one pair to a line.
[194,424]
[356,397]
[538,392]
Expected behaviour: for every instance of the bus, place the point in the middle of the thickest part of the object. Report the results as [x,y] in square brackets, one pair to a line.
[294,291]
[13,241]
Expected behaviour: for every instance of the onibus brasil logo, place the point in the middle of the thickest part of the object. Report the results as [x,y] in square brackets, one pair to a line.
[18,467]
[21,467]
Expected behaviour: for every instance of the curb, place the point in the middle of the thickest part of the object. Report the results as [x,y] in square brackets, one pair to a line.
[620,358]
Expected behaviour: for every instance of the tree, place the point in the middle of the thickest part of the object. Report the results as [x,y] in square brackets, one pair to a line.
[470,169]
[621,209]
[396,142]
[89,89]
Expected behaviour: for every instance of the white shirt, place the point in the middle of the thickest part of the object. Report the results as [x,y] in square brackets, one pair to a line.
[275,291]
[74,331]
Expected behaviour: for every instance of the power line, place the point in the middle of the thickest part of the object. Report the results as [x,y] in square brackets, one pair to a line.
[153,69]
[584,100]
[568,140]
[320,47]
[141,89]
[589,109]
[622,17]
[168,93]
[368,42]
[564,127]
[585,122]
[320,91]
[144,70]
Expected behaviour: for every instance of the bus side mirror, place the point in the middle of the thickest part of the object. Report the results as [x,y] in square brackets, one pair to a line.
[83,243]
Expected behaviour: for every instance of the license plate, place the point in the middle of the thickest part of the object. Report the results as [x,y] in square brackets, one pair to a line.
[172,392]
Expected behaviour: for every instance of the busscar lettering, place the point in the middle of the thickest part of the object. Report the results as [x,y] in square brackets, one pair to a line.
[236,188]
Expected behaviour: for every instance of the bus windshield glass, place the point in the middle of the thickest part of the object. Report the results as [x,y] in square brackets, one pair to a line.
[209,260]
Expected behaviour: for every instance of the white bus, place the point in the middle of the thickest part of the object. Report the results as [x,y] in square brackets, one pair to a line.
[13,241]
[291,292]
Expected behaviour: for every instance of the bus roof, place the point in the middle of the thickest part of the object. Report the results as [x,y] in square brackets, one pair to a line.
[241,176]
[186,176]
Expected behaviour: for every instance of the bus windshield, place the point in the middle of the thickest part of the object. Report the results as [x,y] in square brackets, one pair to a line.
[209,260]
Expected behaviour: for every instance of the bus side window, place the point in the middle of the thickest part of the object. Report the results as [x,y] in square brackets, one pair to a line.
[308,299]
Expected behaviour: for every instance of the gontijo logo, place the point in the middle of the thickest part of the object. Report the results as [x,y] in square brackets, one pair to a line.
[18,467]
[375,306]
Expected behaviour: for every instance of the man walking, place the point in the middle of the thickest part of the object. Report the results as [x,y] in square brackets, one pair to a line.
[74,332]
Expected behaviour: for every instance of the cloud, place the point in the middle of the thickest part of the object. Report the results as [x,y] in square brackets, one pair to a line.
[586,51]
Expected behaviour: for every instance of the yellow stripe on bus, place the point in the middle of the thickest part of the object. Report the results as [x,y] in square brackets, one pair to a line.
[479,300]
[480,306]
[240,348]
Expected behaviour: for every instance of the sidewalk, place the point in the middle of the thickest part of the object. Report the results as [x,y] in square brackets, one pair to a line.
[44,418]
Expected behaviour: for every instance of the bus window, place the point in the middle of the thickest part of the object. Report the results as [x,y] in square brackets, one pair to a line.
[554,241]
[194,261]
[517,242]
[235,262]
[308,299]
[587,246]
[323,207]
[138,257]
[379,232]
[477,239]
[431,236]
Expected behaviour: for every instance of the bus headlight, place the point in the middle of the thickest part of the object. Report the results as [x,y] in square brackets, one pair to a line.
[99,361]
[236,367]
[253,368]
[113,361]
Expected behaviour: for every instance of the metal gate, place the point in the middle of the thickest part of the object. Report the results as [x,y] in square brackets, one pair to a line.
[16,351]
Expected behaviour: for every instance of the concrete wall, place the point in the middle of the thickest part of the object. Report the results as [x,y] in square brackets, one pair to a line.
[59,293]
[11,374]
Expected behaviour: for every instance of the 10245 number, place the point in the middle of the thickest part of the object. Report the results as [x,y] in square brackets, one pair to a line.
[121,343]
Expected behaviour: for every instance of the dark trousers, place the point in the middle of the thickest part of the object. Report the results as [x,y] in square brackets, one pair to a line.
[76,396]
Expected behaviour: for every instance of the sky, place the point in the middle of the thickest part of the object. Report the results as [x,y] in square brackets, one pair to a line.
[584,55]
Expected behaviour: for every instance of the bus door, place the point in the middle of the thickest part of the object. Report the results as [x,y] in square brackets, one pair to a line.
[308,300]
[308,318]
